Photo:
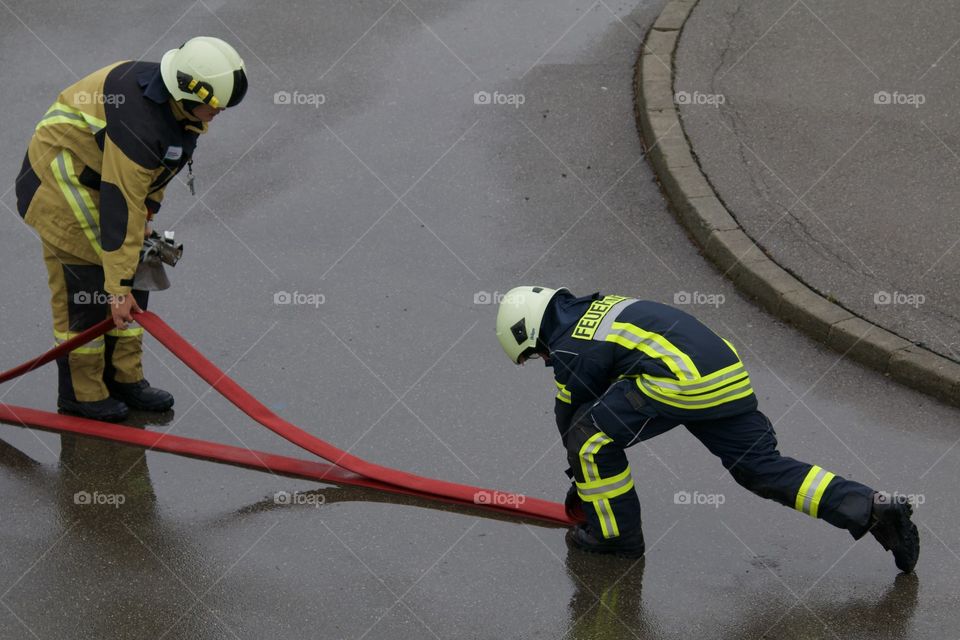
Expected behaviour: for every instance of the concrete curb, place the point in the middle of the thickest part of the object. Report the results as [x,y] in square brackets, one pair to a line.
[711,225]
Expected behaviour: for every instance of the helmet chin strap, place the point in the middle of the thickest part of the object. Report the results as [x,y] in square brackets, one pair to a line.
[190,105]
[201,89]
[193,120]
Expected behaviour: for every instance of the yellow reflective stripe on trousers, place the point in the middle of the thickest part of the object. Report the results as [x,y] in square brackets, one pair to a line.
[608,524]
[591,472]
[95,346]
[811,490]
[132,332]
[60,113]
[563,395]
[76,195]
[606,488]
[654,345]
[591,476]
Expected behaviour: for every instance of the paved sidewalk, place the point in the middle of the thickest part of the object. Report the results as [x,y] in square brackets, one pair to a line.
[829,131]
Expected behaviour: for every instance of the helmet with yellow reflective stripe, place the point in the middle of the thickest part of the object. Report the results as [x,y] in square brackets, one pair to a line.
[207,70]
[519,319]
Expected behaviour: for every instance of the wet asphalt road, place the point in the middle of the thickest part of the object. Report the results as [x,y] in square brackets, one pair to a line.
[408,206]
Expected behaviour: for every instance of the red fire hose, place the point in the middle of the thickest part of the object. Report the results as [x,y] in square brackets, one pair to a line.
[345,468]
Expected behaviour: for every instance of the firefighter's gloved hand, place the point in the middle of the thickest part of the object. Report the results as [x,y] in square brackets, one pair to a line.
[122,309]
[574,505]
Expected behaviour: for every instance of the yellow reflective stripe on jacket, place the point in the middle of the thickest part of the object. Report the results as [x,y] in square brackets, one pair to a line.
[732,348]
[654,345]
[687,388]
[811,490]
[95,346]
[703,384]
[563,395]
[78,198]
[735,391]
[131,332]
[60,113]
[713,389]
[592,320]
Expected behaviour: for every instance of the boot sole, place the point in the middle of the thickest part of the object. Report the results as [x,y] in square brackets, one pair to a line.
[600,551]
[148,409]
[609,554]
[109,418]
[136,406]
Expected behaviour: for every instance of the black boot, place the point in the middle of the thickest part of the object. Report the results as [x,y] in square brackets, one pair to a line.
[890,524]
[141,396]
[106,410]
[624,546]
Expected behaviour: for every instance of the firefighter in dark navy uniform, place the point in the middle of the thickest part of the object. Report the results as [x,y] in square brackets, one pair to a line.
[92,179]
[627,370]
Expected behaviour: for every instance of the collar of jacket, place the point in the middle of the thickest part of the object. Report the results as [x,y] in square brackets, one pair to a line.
[155,90]
[152,83]
[189,122]
[564,311]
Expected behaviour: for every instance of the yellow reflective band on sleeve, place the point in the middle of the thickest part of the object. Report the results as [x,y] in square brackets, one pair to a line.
[654,345]
[95,346]
[60,113]
[131,332]
[76,195]
[563,395]
[812,489]
[818,494]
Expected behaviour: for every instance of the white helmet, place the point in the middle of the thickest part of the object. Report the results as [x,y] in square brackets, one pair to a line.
[519,318]
[207,70]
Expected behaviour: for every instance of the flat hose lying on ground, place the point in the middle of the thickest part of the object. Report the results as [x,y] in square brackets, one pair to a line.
[345,468]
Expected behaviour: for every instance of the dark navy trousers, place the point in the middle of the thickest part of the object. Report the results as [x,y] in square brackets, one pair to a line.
[746,445]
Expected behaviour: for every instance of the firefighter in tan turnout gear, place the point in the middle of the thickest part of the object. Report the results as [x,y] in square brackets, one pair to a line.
[92,180]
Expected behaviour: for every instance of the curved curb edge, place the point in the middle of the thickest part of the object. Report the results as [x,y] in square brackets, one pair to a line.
[721,238]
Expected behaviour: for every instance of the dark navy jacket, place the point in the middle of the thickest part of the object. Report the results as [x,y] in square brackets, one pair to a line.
[685,370]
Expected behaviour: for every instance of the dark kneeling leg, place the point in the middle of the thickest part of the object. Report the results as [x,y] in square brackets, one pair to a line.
[604,484]
[747,446]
